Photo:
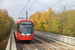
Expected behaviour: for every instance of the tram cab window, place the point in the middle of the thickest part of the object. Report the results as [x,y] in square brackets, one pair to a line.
[26,28]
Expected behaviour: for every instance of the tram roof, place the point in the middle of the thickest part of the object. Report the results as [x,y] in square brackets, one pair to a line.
[24,20]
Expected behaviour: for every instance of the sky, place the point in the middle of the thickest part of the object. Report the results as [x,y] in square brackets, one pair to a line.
[14,7]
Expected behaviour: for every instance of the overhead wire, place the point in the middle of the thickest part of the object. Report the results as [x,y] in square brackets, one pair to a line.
[29,9]
[52,5]
[71,6]
[32,5]
[24,7]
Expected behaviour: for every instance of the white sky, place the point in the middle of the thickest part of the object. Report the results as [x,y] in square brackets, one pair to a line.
[15,6]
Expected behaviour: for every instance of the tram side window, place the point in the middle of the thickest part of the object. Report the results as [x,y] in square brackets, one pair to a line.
[32,27]
[18,28]
[33,24]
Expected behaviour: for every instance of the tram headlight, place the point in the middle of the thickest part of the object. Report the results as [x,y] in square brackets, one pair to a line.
[30,35]
[21,35]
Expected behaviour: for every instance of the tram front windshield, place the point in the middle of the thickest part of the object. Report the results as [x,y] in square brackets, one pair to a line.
[26,28]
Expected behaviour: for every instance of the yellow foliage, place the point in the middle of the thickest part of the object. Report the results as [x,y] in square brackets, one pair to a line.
[60,22]
[6,24]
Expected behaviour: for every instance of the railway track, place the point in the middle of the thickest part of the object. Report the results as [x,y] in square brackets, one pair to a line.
[53,44]
[33,45]
[41,43]
[25,46]
[40,46]
[28,46]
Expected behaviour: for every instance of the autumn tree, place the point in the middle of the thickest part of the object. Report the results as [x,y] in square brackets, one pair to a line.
[6,24]
[55,22]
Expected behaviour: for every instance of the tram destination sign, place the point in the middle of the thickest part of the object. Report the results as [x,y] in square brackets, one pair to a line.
[25,22]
